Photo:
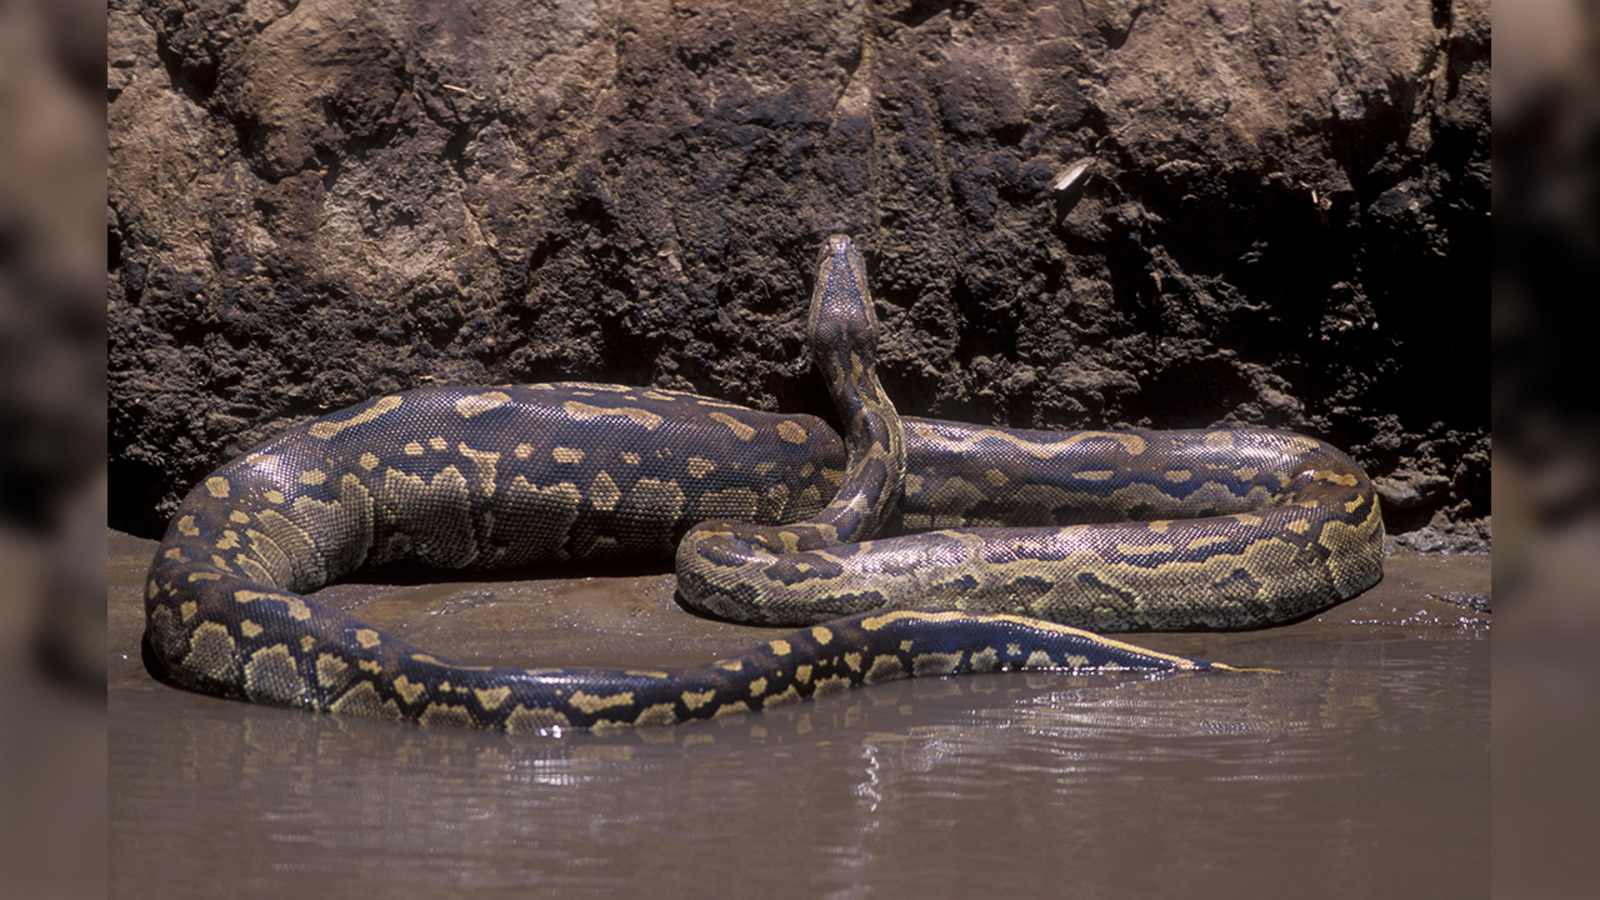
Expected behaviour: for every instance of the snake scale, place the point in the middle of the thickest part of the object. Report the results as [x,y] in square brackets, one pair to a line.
[1007,549]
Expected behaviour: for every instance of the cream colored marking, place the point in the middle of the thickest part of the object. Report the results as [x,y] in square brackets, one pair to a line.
[631,459]
[731,665]
[1132,444]
[368,461]
[780,647]
[646,673]
[239,517]
[1201,541]
[437,443]
[275,497]
[230,540]
[491,698]
[212,651]
[603,493]
[699,467]
[409,689]
[790,432]
[217,486]
[833,684]
[413,449]
[1176,475]
[583,412]
[879,621]
[1345,479]
[187,609]
[567,456]
[707,401]
[370,665]
[205,576]
[802,674]
[472,404]
[740,430]
[660,498]
[250,629]
[427,658]
[1039,659]
[1219,439]
[884,668]
[1246,473]
[591,703]
[362,700]
[306,643]
[996,478]
[728,709]
[331,670]
[913,484]
[325,429]
[297,607]
[657,714]
[758,687]
[1161,526]
[272,672]
[1143,549]
[1298,526]
[313,476]
[221,563]
[821,635]
[523,451]
[852,661]
[1098,475]
[985,660]
[186,526]
[1246,519]
[487,464]
[790,695]
[694,700]
[526,719]
[368,638]
[445,715]
[935,663]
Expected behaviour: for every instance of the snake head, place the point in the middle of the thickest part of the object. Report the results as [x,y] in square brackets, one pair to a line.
[842,317]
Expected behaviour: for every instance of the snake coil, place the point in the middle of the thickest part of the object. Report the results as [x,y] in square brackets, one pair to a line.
[1008,548]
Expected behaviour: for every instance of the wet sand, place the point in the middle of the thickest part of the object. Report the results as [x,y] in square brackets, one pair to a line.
[1361,770]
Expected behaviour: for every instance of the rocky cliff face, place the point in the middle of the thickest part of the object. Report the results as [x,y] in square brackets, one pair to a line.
[1283,222]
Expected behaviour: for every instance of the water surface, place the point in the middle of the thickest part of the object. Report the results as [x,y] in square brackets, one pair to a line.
[1361,769]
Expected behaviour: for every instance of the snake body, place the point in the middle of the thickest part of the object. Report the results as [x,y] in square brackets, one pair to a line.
[1009,547]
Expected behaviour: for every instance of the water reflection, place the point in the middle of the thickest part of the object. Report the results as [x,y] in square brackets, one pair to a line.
[1333,775]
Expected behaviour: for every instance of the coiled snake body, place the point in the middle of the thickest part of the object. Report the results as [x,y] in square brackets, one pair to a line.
[1013,547]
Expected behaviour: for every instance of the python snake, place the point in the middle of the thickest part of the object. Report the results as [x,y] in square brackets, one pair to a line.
[1011,547]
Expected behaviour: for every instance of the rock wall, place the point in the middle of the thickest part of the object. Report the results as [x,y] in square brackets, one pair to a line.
[1284,221]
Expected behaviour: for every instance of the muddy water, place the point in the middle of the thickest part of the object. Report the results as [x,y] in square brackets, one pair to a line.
[1360,770]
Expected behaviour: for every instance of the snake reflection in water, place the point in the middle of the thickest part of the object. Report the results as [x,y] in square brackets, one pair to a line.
[1010,548]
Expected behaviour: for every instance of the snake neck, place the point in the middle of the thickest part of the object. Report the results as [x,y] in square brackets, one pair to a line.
[843,329]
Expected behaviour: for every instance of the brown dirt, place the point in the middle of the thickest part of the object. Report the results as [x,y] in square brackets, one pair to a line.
[1285,222]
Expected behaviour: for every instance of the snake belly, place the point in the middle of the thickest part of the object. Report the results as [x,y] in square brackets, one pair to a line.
[1028,536]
